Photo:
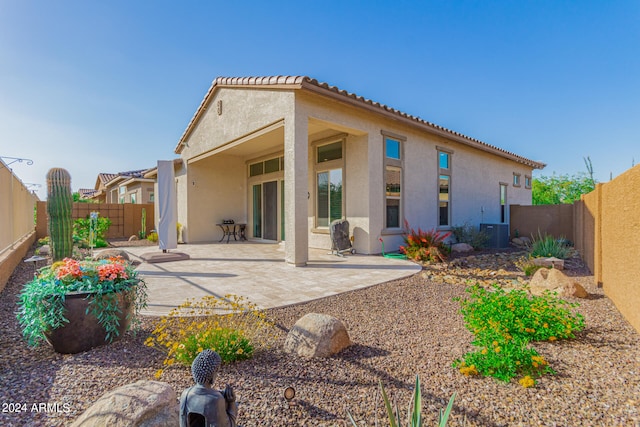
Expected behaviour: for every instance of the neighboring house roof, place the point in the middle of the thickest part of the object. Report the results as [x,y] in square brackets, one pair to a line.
[313,85]
[86,193]
[105,180]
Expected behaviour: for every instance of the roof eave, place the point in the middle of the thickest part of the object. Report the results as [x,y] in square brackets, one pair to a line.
[275,82]
[413,121]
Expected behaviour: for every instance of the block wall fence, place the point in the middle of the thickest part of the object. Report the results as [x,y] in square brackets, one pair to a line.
[125,218]
[604,226]
[17,230]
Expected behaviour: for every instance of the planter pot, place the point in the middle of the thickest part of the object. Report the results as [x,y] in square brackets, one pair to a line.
[83,332]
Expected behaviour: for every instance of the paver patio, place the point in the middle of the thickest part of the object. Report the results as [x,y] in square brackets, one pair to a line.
[258,272]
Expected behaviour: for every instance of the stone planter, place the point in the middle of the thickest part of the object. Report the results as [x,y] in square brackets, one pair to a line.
[83,332]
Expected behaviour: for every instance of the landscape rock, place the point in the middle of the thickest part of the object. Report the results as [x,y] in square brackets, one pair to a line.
[526,240]
[517,241]
[461,247]
[141,404]
[317,335]
[554,280]
[111,253]
[44,250]
[551,262]
[133,238]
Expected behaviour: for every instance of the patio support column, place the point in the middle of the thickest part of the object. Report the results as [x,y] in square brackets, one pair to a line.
[296,176]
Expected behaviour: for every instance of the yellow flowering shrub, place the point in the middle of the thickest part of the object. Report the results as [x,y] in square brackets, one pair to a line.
[230,325]
[504,324]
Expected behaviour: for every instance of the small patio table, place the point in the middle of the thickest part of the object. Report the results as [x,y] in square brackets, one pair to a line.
[236,230]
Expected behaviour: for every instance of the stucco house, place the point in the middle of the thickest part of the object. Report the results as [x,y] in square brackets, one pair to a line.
[287,155]
[124,187]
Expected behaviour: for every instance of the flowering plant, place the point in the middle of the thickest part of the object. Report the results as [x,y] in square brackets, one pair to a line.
[41,302]
[425,245]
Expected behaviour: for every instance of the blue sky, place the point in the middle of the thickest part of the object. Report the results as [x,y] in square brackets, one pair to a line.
[110,86]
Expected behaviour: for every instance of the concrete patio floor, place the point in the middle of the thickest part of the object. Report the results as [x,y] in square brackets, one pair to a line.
[258,272]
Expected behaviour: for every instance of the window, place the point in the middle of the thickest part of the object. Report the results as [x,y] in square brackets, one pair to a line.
[133,198]
[326,153]
[444,188]
[267,166]
[393,182]
[329,197]
[527,181]
[443,200]
[503,203]
[516,180]
[329,183]
[151,197]
[123,190]
[121,199]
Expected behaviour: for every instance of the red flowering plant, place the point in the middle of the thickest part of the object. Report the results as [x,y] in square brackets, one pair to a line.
[425,245]
[41,302]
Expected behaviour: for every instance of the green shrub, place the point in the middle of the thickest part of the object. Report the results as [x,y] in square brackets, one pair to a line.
[230,344]
[229,325]
[505,323]
[425,245]
[548,246]
[152,237]
[83,233]
[467,233]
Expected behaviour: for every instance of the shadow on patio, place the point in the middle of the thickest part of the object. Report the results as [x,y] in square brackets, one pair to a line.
[258,272]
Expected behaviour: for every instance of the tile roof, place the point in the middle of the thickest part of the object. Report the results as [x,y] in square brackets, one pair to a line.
[106,177]
[313,85]
[86,192]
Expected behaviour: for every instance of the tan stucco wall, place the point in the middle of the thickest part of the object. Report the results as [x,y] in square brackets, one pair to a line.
[11,258]
[216,189]
[620,248]
[474,186]
[243,111]
[475,180]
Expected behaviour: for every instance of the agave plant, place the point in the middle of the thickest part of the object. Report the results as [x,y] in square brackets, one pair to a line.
[414,412]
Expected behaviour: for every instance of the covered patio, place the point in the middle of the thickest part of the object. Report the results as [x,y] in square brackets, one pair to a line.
[259,272]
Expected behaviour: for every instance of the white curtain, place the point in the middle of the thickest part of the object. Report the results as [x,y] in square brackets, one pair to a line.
[167,233]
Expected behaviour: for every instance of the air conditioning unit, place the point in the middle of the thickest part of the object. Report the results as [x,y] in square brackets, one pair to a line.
[498,235]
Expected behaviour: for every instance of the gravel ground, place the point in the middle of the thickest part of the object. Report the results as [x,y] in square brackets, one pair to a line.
[399,329]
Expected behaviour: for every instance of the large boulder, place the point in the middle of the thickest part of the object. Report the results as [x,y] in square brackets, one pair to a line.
[317,335]
[141,404]
[111,253]
[551,262]
[555,281]
[461,247]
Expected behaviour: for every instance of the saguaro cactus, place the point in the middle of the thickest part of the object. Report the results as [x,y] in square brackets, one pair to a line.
[59,205]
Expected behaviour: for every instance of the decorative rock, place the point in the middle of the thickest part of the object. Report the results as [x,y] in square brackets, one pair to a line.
[461,247]
[111,253]
[133,238]
[555,281]
[141,404]
[317,335]
[554,262]
[525,240]
[518,241]
[44,250]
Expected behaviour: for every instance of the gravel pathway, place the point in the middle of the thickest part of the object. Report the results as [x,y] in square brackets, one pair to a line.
[399,329]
